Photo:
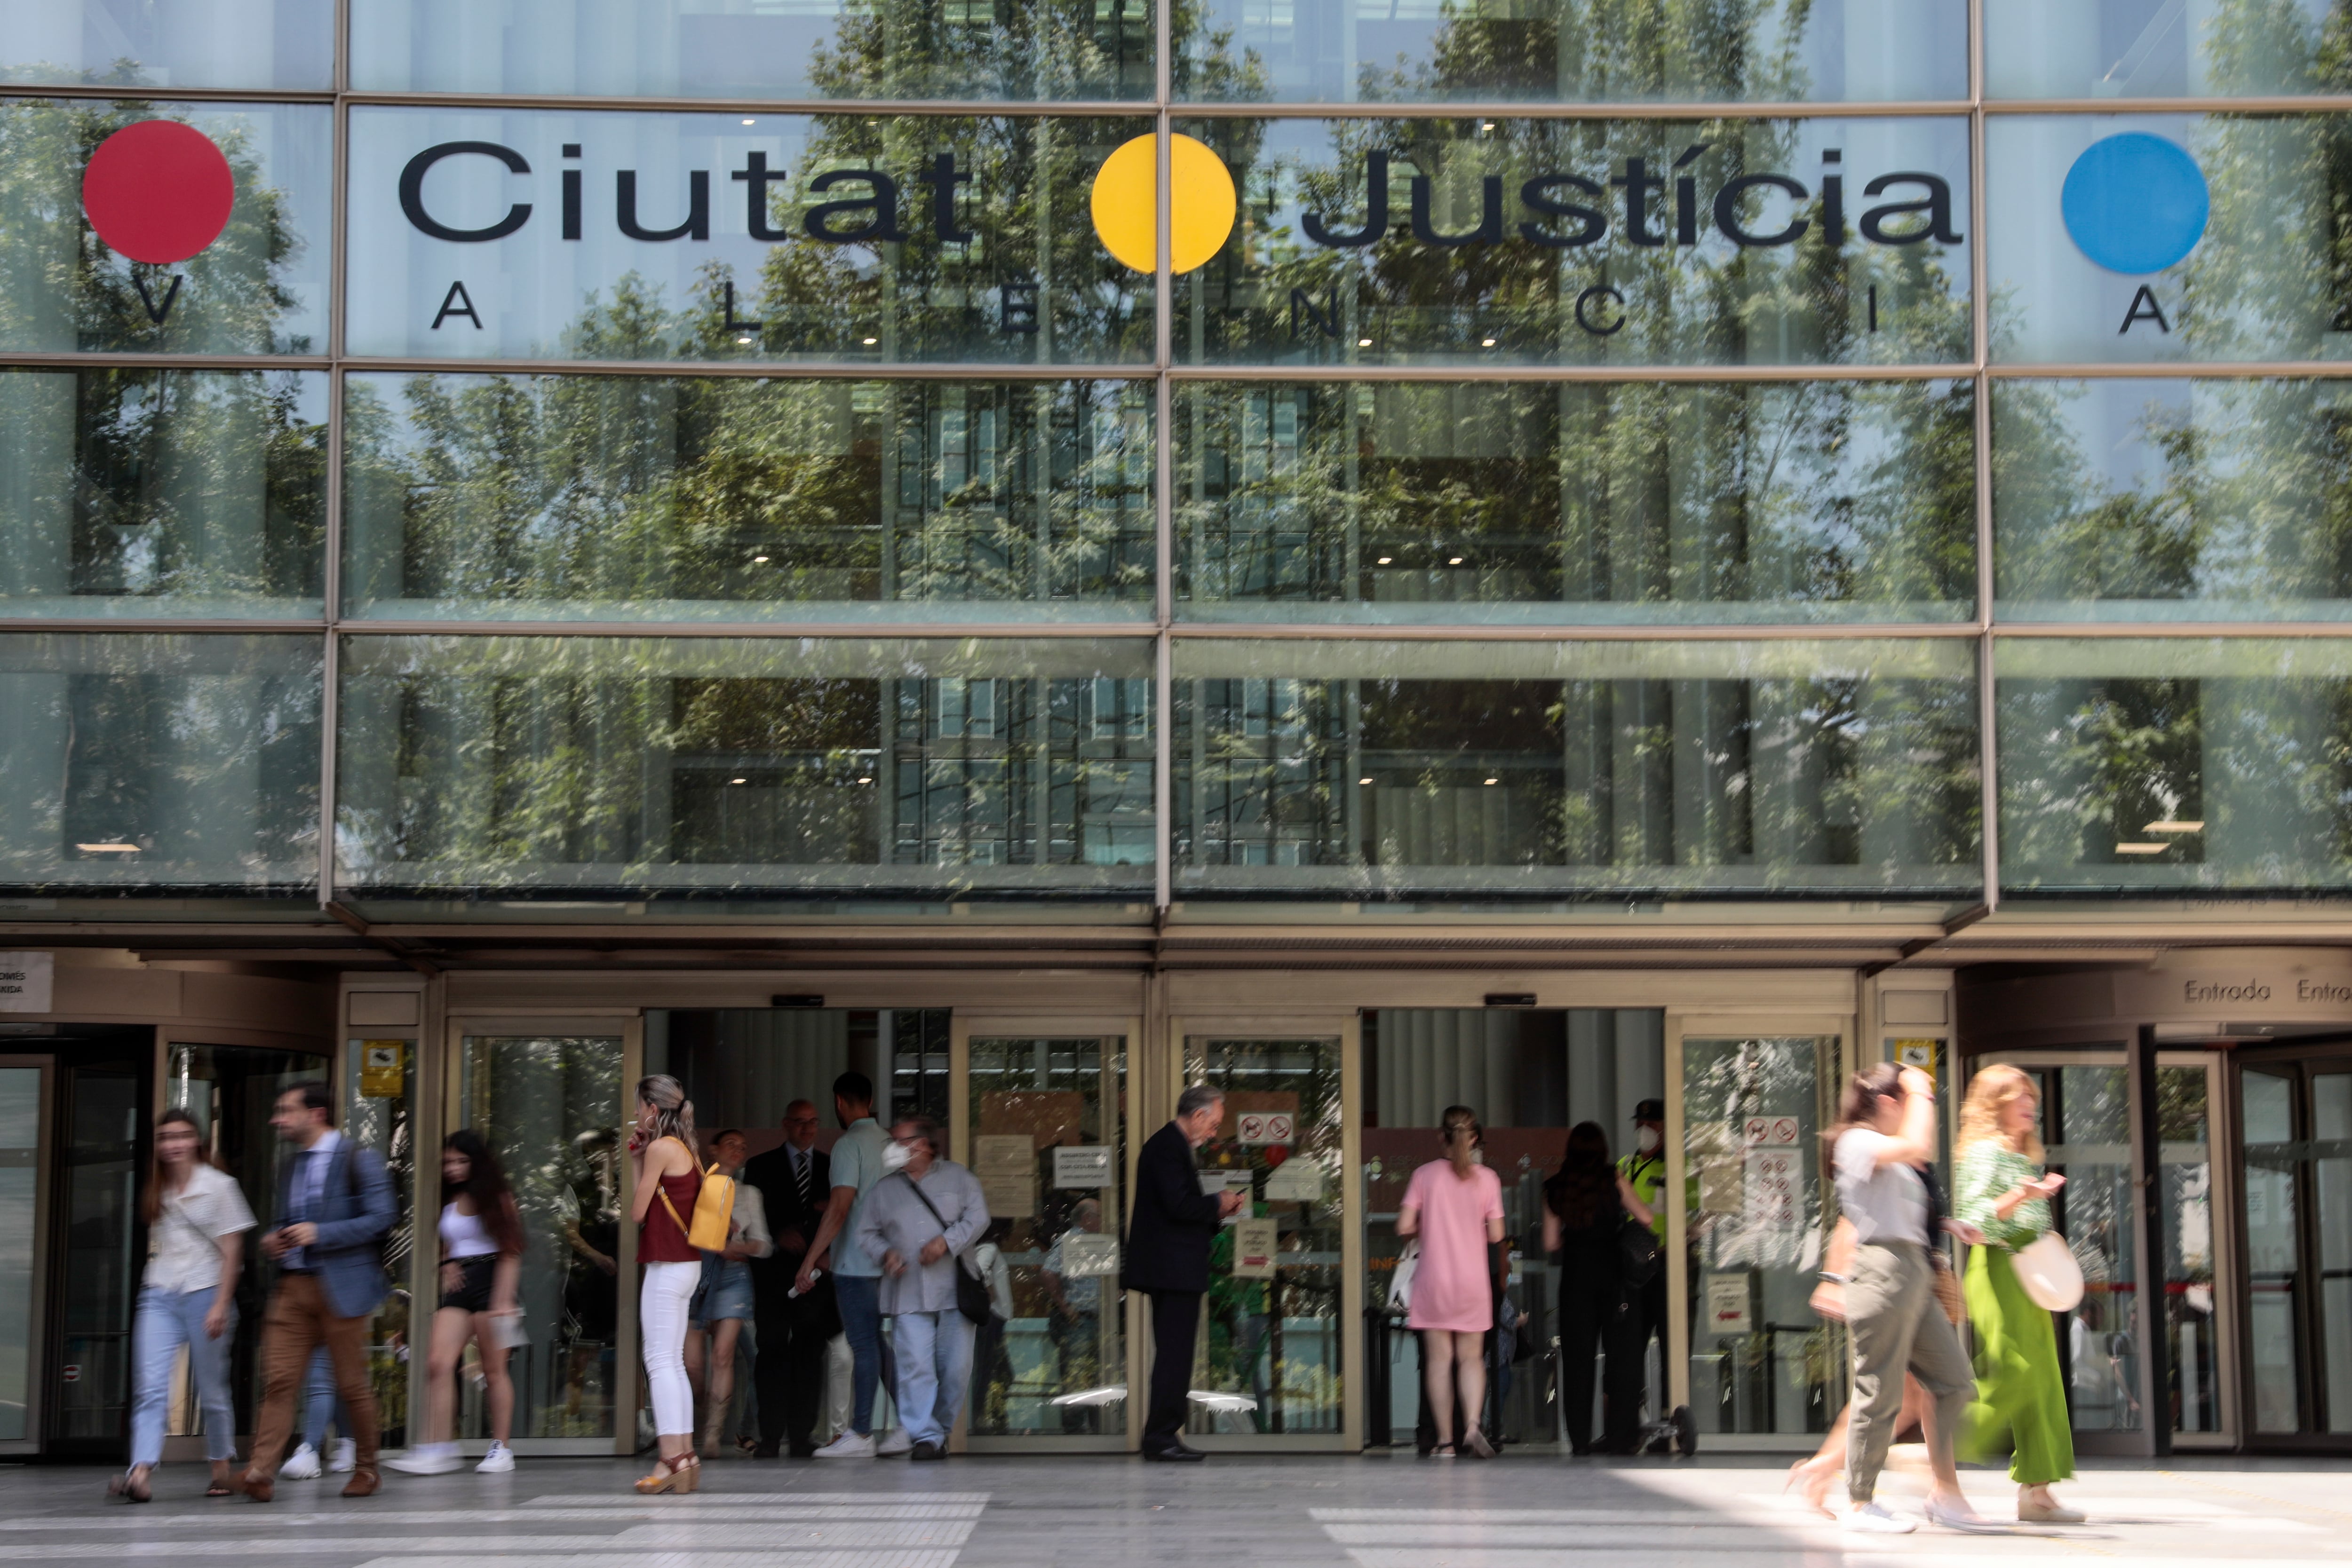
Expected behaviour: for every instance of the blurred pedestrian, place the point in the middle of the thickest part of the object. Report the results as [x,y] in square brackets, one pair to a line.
[481,1266]
[1166,1258]
[1886,1129]
[918,1225]
[196,1218]
[2004,1191]
[661,1147]
[1454,1206]
[334,1206]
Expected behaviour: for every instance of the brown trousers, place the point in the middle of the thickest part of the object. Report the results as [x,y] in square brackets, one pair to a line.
[299,1319]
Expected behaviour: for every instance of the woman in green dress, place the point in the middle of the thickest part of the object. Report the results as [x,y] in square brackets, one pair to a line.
[2002,1191]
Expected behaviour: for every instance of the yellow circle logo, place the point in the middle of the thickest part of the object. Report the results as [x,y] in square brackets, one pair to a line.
[1201,203]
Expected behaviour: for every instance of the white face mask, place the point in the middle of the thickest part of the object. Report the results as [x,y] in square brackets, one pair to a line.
[1647,1140]
[895,1157]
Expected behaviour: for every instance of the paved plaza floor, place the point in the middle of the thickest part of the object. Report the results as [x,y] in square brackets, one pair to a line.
[1113,1512]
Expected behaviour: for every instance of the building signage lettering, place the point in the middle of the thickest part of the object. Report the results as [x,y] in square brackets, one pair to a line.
[2225,991]
[2323,991]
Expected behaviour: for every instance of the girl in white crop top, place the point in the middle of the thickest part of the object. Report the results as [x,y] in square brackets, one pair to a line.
[481,1264]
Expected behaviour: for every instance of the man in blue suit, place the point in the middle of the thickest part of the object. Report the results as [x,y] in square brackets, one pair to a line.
[334,1206]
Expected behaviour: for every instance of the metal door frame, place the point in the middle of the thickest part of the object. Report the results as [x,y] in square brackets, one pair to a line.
[436,1113]
[36,1325]
[2311,1368]
[1346,1028]
[961,1027]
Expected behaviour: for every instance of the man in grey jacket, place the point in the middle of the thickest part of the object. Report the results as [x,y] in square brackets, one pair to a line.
[917,1220]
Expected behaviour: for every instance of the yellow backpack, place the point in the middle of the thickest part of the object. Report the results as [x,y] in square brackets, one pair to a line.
[714,1209]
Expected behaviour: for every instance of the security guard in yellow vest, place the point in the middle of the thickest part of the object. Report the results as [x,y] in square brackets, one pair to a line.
[1645,1170]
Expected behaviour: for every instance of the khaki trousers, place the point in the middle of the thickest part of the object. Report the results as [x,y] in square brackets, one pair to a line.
[1895,1321]
[299,1319]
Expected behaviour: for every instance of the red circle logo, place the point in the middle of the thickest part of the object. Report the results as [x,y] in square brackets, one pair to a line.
[158,191]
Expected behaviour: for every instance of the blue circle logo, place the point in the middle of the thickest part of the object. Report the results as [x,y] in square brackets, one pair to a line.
[2136,203]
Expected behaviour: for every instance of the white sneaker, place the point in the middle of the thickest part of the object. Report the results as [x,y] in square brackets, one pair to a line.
[1871,1518]
[496,1462]
[343,1457]
[850,1445]
[426,1459]
[301,1465]
[1964,1519]
[893,1443]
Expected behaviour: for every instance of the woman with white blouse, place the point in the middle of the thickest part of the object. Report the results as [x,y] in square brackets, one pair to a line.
[196,1219]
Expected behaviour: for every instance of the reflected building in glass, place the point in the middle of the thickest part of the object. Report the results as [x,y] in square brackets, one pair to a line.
[1619,553]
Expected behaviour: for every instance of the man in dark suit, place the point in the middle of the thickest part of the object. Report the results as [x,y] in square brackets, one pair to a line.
[1166,1257]
[794,1180]
[334,1206]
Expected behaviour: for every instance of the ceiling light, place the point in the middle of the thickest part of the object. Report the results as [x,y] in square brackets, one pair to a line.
[865,780]
[1494,781]
[108,848]
[1364,780]
[1486,125]
[758,560]
[747,122]
[1489,344]
[1382,561]
[1455,562]
[738,780]
[1363,342]
[2141,849]
[2172,826]
[744,339]
[871,342]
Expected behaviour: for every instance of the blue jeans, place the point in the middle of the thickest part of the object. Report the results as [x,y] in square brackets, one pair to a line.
[321,1403]
[934,1353]
[859,1299]
[166,1320]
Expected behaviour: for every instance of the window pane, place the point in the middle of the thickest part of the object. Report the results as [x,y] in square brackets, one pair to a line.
[1548,771]
[2276,1276]
[2133,764]
[712,48]
[563,498]
[2135,48]
[1521,241]
[283,44]
[141,761]
[1774,51]
[2173,500]
[805,769]
[2192,1322]
[1503,503]
[2096,1212]
[146,492]
[258,286]
[551,234]
[2259,277]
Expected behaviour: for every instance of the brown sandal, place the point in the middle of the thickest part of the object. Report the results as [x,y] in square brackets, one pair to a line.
[676,1476]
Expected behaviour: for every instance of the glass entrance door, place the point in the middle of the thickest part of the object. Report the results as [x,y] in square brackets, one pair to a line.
[552,1105]
[1753,1109]
[2296,1126]
[1043,1124]
[1274,1340]
[23,1100]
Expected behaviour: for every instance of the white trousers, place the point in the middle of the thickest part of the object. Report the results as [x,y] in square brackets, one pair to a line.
[662,1307]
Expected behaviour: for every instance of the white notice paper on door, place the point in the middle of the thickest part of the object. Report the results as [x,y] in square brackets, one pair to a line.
[26,982]
[1082,1165]
[1294,1181]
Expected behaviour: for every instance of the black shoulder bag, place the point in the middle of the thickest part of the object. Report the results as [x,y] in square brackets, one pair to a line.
[972,1291]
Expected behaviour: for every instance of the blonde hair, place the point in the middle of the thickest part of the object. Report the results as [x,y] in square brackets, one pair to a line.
[1990,1094]
[1463,1133]
[673,1112]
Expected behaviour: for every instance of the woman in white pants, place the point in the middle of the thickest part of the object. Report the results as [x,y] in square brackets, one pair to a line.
[661,1146]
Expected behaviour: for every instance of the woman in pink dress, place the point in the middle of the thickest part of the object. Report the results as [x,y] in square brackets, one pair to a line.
[1455,1207]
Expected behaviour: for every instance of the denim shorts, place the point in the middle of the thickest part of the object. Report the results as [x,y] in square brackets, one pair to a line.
[725,1291]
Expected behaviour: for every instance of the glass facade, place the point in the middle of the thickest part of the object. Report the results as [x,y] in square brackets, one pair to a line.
[665,457]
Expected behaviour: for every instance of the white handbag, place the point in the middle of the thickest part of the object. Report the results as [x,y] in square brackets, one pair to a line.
[2047,1270]
[1408,1264]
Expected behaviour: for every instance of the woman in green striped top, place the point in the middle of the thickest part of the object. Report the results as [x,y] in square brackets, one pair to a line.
[2001,1190]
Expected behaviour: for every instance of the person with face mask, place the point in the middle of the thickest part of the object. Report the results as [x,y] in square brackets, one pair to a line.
[1645,1171]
